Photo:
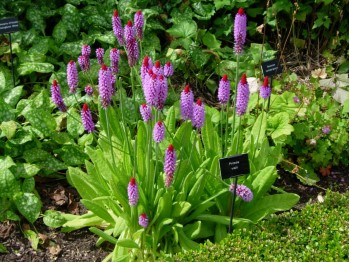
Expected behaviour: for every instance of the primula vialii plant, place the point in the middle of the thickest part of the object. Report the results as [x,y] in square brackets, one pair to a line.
[152,184]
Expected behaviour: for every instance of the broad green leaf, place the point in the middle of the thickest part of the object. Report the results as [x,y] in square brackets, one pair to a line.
[170,120]
[185,242]
[203,11]
[6,112]
[6,162]
[51,165]
[107,37]
[8,128]
[180,208]
[268,205]
[13,95]
[98,210]
[225,220]
[34,15]
[71,18]
[53,218]
[210,41]
[198,57]
[72,155]
[220,232]
[40,46]
[222,3]
[41,119]
[9,185]
[259,129]
[199,229]
[71,48]
[74,124]
[59,32]
[278,125]
[210,139]
[29,205]
[22,137]
[28,185]
[184,29]
[27,68]
[262,181]
[6,82]
[129,243]
[35,154]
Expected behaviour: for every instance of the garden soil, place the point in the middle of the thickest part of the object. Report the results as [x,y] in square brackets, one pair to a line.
[80,245]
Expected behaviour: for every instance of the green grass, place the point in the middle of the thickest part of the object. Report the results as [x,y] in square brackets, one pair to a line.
[319,232]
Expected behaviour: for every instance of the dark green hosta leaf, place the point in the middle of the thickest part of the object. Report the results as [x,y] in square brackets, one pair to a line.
[6,81]
[184,29]
[179,16]
[35,154]
[222,3]
[8,128]
[199,58]
[108,38]
[27,68]
[51,165]
[40,46]
[59,32]
[22,136]
[29,205]
[71,18]
[74,125]
[12,96]
[25,170]
[279,125]
[72,155]
[9,185]
[210,41]
[53,219]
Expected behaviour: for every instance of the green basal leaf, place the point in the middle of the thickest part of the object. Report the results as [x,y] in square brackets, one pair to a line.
[72,155]
[98,210]
[129,243]
[185,242]
[29,205]
[53,218]
[103,235]
[259,128]
[180,208]
[40,119]
[27,68]
[8,128]
[278,125]
[184,29]
[268,205]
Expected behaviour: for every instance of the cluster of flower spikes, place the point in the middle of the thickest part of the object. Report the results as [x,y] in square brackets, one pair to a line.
[240,31]
[190,110]
[129,34]
[133,197]
[242,98]
[154,82]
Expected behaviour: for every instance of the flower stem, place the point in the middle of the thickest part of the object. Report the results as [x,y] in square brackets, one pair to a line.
[239,134]
[110,138]
[234,100]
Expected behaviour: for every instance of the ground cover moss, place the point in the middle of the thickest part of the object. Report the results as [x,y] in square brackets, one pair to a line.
[319,232]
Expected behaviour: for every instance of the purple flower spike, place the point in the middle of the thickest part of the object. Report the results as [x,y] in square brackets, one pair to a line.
[133,192]
[131,44]
[163,91]
[86,50]
[139,21]
[72,76]
[186,103]
[157,68]
[265,89]
[86,118]
[105,86]
[84,63]
[242,96]
[198,114]
[146,112]
[168,69]
[57,97]
[224,90]
[243,192]
[152,90]
[158,132]
[240,30]
[326,130]
[114,57]
[143,220]
[99,55]
[118,28]
[169,165]
[89,90]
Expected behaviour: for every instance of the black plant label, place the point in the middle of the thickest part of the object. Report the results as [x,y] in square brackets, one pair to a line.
[234,166]
[271,68]
[9,25]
